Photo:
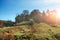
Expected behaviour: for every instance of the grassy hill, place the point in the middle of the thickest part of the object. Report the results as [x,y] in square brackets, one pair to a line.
[40,31]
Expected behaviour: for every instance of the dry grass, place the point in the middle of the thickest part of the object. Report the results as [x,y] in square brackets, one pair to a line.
[41,31]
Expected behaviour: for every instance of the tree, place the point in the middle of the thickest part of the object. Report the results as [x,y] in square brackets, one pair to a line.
[43,16]
[35,14]
[22,17]
[17,19]
[26,15]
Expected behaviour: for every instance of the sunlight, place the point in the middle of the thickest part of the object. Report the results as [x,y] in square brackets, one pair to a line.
[58,14]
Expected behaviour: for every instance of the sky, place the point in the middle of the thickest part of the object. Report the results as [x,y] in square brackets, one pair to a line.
[10,8]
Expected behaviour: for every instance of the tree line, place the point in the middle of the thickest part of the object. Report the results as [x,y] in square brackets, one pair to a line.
[37,16]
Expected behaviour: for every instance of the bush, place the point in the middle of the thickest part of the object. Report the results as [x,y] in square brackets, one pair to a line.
[8,23]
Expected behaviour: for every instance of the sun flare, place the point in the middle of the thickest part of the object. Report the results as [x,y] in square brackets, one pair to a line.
[58,14]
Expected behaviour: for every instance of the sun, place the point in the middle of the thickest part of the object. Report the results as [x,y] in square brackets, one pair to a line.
[58,14]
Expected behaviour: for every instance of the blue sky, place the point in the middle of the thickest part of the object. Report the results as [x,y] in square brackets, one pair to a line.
[10,8]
